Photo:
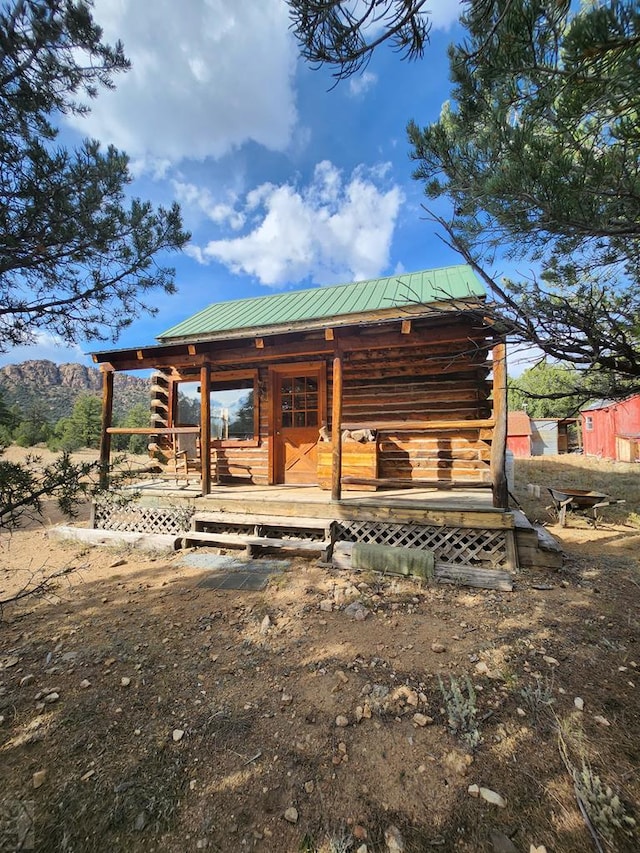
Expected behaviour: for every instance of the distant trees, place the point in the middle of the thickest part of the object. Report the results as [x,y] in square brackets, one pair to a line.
[241,423]
[548,391]
[7,424]
[23,486]
[33,426]
[138,416]
[82,428]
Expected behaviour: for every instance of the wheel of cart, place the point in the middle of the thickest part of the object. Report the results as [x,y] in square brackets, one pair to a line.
[587,503]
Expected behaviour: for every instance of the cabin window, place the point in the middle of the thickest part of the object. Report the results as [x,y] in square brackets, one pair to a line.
[233,409]
[233,403]
[588,423]
[299,401]
[188,404]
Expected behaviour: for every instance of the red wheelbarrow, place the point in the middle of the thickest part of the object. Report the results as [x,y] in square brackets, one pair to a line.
[579,500]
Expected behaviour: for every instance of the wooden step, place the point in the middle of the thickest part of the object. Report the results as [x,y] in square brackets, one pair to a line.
[256,543]
[253,520]
[232,540]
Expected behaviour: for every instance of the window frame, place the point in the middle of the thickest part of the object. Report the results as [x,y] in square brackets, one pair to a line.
[229,376]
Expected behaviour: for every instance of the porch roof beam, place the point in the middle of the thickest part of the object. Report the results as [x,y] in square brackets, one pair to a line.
[178,355]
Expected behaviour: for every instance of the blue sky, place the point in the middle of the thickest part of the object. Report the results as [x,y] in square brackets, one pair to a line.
[284,181]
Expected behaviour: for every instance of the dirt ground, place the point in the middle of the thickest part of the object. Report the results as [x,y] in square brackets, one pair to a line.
[140,712]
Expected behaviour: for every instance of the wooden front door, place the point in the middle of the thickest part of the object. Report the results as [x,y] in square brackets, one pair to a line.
[299,409]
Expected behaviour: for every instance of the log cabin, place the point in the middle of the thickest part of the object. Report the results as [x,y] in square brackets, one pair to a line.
[285,384]
[369,412]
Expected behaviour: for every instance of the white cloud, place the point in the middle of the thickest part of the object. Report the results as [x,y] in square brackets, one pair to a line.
[332,230]
[361,84]
[46,347]
[207,76]
[445,13]
[220,212]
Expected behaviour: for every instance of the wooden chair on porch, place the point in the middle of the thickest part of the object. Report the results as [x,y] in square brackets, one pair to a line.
[177,455]
[186,456]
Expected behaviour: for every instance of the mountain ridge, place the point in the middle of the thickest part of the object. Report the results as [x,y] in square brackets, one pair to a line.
[54,388]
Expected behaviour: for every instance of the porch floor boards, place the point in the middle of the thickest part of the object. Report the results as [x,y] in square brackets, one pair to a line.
[474,500]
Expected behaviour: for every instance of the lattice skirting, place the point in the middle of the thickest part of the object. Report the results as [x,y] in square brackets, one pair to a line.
[142,519]
[475,547]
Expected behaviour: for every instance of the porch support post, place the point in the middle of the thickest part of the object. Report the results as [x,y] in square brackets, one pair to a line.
[336,428]
[107,416]
[205,428]
[499,442]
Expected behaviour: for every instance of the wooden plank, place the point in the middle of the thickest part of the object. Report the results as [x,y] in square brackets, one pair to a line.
[336,427]
[190,430]
[105,436]
[357,460]
[407,397]
[421,425]
[220,352]
[288,544]
[230,539]
[470,576]
[428,442]
[405,464]
[511,549]
[418,380]
[499,441]
[252,542]
[205,428]
[288,522]
[116,538]
[415,483]
[410,411]
[374,508]
[429,367]
[448,573]
[420,453]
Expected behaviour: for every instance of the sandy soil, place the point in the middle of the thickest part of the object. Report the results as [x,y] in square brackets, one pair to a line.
[142,712]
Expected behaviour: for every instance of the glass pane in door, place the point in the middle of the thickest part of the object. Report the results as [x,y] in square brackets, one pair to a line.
[299,401]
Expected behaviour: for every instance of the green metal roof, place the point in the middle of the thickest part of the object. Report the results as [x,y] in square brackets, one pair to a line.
[299,306]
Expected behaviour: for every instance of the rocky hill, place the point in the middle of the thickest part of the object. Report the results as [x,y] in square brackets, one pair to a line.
[58,386]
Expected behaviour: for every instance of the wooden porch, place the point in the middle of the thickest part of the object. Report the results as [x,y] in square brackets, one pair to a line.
[313,500]
[459,526]
[374,412]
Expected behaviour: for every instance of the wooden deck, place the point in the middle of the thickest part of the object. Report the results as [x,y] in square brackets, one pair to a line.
[460,507]
[460,526]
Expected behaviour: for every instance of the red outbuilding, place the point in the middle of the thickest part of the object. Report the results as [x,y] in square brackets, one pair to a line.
[611,430]
[519,434]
